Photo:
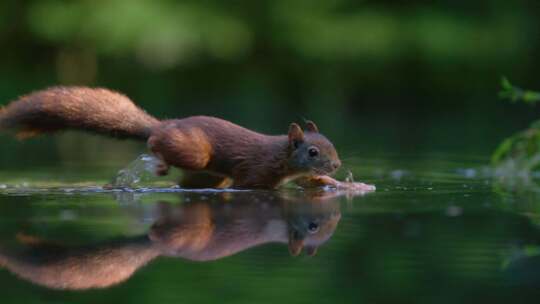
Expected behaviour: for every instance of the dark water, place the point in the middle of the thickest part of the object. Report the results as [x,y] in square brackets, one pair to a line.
[436,231]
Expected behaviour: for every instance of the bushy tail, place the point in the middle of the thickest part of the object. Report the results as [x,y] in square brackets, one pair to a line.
[81,108]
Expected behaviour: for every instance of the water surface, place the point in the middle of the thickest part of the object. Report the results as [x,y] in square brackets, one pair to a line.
[438,230]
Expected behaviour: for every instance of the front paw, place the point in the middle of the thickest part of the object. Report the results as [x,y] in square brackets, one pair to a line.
[361,187]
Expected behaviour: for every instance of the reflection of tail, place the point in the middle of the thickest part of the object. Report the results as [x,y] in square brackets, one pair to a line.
[94,110]
[97,266]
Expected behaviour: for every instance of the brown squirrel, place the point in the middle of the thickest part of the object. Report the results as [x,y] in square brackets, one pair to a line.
[196,231]
[213,152]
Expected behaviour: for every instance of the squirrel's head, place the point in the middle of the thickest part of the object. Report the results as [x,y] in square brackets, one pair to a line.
[311,152]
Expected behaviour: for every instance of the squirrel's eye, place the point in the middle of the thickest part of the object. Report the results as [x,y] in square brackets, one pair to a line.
[313,152]
[313,227]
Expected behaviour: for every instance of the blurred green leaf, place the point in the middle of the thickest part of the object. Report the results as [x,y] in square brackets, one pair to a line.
[523,148]
[515,94]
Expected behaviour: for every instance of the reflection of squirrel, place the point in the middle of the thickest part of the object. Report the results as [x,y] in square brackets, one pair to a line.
[215,152]
[199,231]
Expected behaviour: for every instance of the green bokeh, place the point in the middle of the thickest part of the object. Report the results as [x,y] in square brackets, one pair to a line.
[377,76]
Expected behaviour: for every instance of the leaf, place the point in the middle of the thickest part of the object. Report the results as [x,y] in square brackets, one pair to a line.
[505,83]
[502,151]
[515,94]
[531,97]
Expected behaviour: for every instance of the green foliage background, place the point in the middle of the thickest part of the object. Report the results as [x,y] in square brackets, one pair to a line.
[377,76]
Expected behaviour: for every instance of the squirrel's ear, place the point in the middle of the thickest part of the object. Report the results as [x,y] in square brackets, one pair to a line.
[295,246]
[296,134]
[311,126]
[311,250]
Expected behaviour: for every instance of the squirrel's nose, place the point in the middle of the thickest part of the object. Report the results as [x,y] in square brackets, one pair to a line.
[336,164]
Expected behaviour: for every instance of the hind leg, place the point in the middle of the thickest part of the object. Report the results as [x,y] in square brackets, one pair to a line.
[185,149]
[199,180]
[162,168]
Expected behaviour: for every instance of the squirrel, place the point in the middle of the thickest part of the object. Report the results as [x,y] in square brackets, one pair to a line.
[196,231]
[214,153]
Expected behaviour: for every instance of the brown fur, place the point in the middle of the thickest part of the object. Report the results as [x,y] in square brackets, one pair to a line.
[95,110]
[198,143]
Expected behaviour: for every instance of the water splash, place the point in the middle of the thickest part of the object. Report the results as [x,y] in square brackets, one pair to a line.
[349,178]
[141,169]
